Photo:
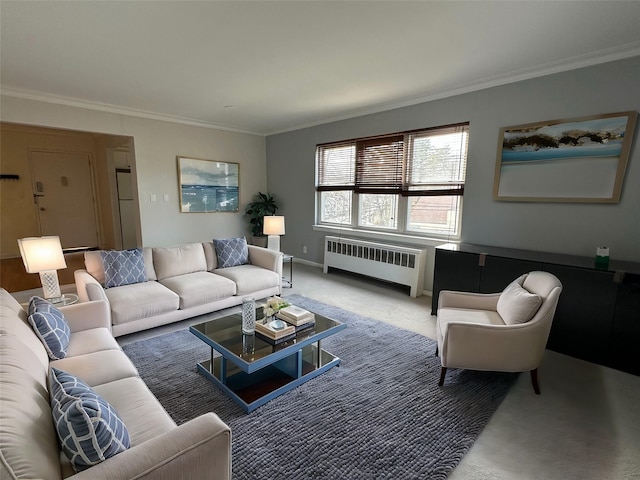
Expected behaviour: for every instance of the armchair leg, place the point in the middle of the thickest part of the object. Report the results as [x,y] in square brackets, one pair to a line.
[436,350]
[534,381]
[443,372]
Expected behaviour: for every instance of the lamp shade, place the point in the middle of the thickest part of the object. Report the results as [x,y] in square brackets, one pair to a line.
[41,254]
[273,225]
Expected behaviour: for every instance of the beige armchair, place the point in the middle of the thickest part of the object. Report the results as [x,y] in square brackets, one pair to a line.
[505,332]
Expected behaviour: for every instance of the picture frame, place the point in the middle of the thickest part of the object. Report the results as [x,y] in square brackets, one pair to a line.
[208,186]
[570,160]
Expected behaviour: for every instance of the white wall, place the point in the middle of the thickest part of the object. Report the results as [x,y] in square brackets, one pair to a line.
[574,229]
[157,144]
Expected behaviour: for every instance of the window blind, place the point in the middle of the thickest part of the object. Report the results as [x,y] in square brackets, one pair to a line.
[425,162]
[379,165]
[336,166]
[436,161]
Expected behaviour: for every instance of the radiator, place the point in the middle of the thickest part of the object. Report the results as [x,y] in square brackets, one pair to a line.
[393,263]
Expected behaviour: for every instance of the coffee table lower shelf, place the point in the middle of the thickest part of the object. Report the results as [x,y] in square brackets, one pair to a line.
[252,390]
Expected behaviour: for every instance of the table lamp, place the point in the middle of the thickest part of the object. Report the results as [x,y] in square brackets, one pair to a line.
[44,255]
[273,226]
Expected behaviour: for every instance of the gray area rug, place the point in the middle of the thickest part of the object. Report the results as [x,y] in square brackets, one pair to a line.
[379,415]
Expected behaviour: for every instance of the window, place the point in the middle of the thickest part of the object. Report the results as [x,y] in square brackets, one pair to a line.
[410,182]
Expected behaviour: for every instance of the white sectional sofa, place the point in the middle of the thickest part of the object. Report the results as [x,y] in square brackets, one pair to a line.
[182,282]
[29,445]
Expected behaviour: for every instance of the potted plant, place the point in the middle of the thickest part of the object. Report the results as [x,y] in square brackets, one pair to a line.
[264,204]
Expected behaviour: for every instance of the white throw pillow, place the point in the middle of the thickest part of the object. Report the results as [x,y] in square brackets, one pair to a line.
[517,305]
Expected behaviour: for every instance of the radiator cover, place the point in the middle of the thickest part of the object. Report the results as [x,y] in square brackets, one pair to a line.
[394,263]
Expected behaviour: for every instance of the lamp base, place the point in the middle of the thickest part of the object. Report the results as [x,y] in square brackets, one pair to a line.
[273,242]
[50,285]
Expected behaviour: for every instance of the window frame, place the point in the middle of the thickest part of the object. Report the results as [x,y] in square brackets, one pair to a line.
[366,183]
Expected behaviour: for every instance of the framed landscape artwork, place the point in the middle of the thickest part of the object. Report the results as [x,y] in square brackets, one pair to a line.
[208,186]
[575,160]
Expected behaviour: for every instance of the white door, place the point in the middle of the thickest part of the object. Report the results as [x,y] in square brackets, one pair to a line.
[64,194]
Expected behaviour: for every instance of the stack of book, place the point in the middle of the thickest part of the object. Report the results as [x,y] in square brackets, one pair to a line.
[296,316]
[275,336]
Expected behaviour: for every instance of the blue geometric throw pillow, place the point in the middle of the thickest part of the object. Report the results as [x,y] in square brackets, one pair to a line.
[50,326]
[231,251]
[89,428]
[123,267]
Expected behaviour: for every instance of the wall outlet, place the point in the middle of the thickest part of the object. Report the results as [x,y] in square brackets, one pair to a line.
[304,249]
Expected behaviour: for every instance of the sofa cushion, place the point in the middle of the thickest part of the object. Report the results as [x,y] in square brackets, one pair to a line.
[180,260]
[446,316]
[141,412]
[14,321]
[140,300]
[91,366]
[50,326]
[10,304]
[199,288]
[91,340]
[89,428]
[93,264]
[249,278]
[463,315]
[123,267]
[516,304]
[210,255]
[231,251]
[28,441]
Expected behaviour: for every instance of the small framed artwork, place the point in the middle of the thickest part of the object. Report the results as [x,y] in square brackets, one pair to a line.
[574,160]
[208,186]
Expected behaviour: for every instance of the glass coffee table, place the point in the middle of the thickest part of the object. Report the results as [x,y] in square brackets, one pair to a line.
[252,370]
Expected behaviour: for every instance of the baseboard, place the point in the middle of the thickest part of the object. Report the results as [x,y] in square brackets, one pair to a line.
[428,293]
[307,262]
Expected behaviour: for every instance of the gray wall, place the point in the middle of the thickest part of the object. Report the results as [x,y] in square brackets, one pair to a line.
[552,227]
[289,169]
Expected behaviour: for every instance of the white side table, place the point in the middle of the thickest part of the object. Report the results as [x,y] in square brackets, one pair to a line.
[286,258]
[66,299]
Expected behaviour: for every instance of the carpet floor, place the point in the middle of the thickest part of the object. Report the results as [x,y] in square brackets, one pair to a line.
[379,415]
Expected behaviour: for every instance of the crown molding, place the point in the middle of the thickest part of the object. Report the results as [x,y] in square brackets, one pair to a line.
[116,109]
[598,57]
[574,63]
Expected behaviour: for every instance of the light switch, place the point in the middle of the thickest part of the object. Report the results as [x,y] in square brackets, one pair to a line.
[166,197]
[152,197]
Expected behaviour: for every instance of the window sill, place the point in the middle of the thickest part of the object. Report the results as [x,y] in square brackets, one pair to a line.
[407,239]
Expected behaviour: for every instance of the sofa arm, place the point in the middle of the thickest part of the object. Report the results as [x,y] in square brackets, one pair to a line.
[506,348]
[198,449]
[475,301]
[88,287]
[87,315]
[265,258]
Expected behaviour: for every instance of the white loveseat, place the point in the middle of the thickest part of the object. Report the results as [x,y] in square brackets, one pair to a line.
[183,281]
[29,446]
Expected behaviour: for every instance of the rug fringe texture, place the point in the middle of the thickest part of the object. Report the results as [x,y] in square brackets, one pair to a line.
[379,415]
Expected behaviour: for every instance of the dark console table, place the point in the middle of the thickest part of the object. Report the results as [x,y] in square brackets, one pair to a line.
[598,314]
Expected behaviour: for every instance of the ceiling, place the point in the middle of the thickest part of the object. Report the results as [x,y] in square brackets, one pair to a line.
[271,66]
